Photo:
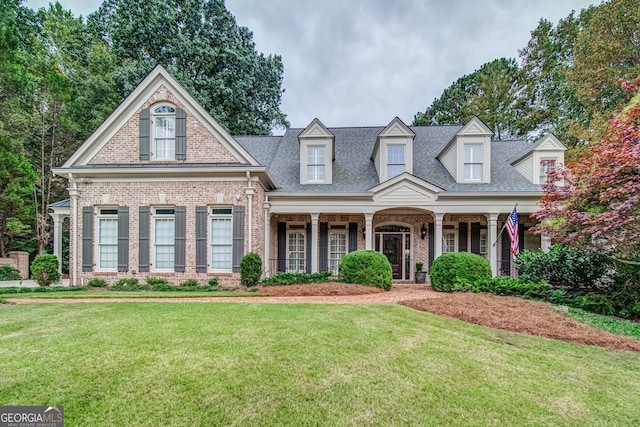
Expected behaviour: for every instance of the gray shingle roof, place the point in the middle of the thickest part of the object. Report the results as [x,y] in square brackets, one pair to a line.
[354,170]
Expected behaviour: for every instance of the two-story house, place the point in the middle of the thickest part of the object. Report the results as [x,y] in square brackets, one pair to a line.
[161,189]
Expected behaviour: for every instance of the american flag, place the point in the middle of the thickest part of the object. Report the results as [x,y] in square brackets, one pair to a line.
[512,229]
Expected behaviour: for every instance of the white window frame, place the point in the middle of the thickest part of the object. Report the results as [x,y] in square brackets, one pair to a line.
[544,169]
[161,214]
[300,265]
[393,160]
[484,241]
[160,113]
[471,161]
[220,213]
[334,261]
[316,163]
[106,214]
[451,232]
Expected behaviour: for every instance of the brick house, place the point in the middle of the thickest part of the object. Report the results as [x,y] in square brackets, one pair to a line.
[161,189]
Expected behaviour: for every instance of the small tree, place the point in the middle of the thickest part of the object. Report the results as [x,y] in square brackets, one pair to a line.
[250,269]
[44,269]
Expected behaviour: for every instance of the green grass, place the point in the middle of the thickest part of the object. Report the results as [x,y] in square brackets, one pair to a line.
[128,294]
[607,323]
[133,364]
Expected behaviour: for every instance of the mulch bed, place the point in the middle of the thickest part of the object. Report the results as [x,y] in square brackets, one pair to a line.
[320,290]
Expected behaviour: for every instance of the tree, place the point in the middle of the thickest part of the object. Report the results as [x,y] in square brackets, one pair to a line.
[599,203]
[489,93]
[200,44]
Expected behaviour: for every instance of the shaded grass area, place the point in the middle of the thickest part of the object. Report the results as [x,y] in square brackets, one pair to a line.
[259,364]
[607,323]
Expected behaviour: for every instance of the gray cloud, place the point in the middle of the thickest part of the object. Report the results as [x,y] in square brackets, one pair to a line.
[363,62]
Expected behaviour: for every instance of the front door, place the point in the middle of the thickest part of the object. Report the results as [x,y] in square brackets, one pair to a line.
[392,248]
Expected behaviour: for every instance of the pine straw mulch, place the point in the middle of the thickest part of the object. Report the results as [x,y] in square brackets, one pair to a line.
[507,313]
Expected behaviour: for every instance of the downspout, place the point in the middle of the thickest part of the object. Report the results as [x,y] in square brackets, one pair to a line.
[73,192]
[249,190]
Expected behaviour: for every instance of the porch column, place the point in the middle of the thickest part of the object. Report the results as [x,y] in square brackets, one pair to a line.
[492,231]
[437,238]
[57,238]
[74,193]
[368,241]
[545,242]
[267,242]
[314,242]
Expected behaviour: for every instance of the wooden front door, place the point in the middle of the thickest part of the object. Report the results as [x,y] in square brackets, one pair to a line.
[392,248]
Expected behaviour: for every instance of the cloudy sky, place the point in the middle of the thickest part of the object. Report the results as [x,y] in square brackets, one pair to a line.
[364,62]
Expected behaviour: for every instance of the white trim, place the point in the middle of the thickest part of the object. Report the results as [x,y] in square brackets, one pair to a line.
[152,237]
[99,216]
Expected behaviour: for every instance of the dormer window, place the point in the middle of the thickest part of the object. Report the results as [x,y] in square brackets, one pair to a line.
[164,133]
[546,166]
[395,160]
[315,163]
[473,160]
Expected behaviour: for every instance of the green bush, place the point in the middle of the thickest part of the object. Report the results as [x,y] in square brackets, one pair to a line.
[508,286]
[9,273]
[44,269]
[154,281]
[296,278]
[96,283]
[453,271]
[190,283]
[250,270]
[129,285]
[213,282]
[366,267]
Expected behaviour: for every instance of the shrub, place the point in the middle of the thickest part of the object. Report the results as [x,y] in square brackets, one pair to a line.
[44,269]
[96,283]
[129,285]
[296,278]
[508,286]
[9,273]
[366,267]
[153,281]
[213,282]
[453,271]
[190,283]
[250,269]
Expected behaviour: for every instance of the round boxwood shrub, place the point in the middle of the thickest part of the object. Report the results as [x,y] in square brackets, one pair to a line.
[44,269]
[250,269]
[366,268]
[458,271]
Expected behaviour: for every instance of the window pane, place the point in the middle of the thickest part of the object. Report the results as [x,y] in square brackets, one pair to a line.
[164,232]
[165,127]
[394,170]
[164,256]
[221,257]
[315,155]
[448,242]
[315,173]
[221,241]
[221,231]
[108,256]
[296,252]
[473,153]
[473,171]
[108,231]
[395,154]
[337,250]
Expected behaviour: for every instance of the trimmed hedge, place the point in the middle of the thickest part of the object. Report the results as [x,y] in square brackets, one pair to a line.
[44,269]
[9,273]
[452,271]
[250,270]
[368,268]
[281,279]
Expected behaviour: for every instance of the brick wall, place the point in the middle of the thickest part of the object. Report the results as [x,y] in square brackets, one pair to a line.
[18,260]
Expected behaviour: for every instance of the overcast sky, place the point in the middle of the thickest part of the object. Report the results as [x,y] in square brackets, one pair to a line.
[364,62]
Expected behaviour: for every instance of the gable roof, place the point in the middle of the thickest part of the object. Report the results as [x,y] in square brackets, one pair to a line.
[155,79]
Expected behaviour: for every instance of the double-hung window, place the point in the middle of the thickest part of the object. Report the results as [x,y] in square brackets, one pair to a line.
[108,239]
[395,160]
[448,241]
[473,162]
[296,249]
[164,132]
[337,249]
[546,166]
[315,163]
[221,242]
[164,226]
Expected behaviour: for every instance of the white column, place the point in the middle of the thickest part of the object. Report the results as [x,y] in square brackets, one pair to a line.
[57,239]
[368,230]
[267,242]
[492,236]
[437,235]
[545,242]
[249,192]
[74,193]
[314,242]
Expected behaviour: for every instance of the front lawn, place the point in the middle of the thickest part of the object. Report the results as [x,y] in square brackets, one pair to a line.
[176,364]
[104,294]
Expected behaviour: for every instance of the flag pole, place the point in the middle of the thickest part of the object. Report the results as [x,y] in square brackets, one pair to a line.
[503,227]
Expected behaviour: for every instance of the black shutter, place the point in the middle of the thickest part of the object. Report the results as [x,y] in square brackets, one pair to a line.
[201,239]
[181,134]
[143,238]
[123,238]
[432,246]
[324,246]
[353,236]
[463,236]
[505,264]
[282,246]
[238,238]
[87,238]
[308,249]
[180,239]
[475,238]
[144,132]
